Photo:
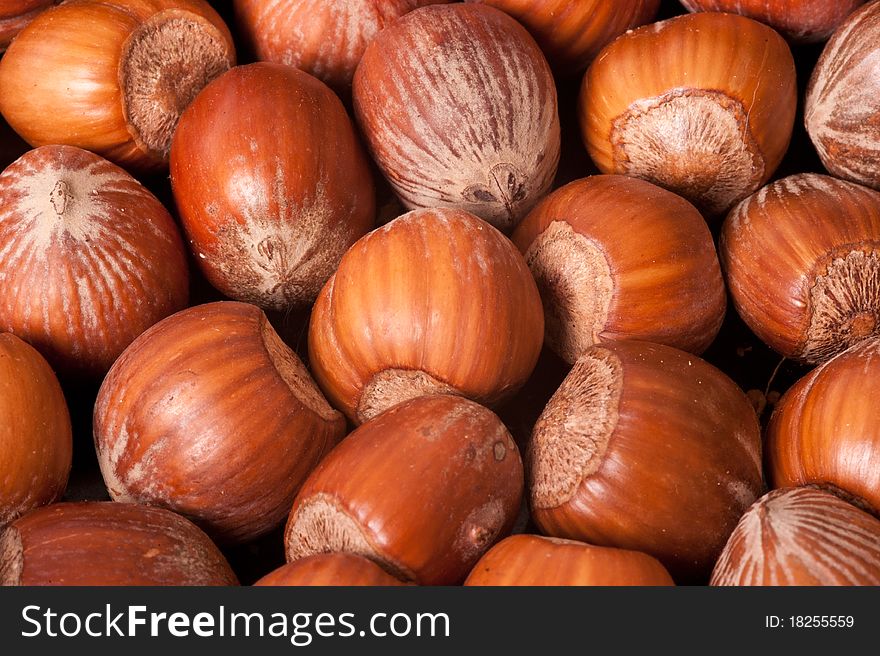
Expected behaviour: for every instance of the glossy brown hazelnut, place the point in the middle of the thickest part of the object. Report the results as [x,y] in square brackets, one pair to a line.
[325,38]
[842,107]
[535,560]
[620,258]
[35,432]
[437,301]
[801,536]
[802,260]
[802,21]
[112,76]
[16,14]
[271,183]
[329,569]
[89,258]
[458,106]
[104,543]
[826,429]
[648,448]
[423,490]
[211,415]
[572,33]
[701,104]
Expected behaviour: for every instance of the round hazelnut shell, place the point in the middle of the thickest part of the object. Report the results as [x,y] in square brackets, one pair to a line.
[271,183]
[620,258]
[90,260]
[105,543]
[571,34]
[458,107]
[802,260]
[35,431]
[802,21]
[423,490]
[801,536]
[435,301]
[330,569]
[841,110]
[701,104]
[529,560]
[648,448]
[211,415]
[825,429]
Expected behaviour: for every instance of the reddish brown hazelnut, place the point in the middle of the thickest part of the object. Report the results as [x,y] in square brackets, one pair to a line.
[112,76]
[89,258]
[437,301]
[104,543]
[801,536]
[802,258]
[700,104]
[619,258]
[535,560]
[648,448]
[803,21]
[16,14]
[329,569]
[35,432]
[271,183]
[842,107]
[826,429]
[423,490]
[572,33]
[211,415]
[325,38]
[458,106]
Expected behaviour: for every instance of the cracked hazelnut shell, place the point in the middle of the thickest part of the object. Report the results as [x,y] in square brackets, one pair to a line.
[89,259]
[535,560]
[211,415]
[271,183]
[35,431]
[423,490]
[801,536]
[701,104]
[112,76]
[104,543]
[620,258]
[436,301]
[802,260]
[458,107]
[648,448]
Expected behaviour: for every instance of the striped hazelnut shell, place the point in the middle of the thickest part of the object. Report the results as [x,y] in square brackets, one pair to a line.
[35,432]
[423,490]
[572,33]
[458,107]
[271,183]
[701,104]
[535,560]
[802,260]
[842,107]
[325,38]
[89,258]
[104,543]
[211,415]
[801,536]
[825,430]
[434,301]
[648,448]
[330,569]
[112,76]
[596,286]
[802,21]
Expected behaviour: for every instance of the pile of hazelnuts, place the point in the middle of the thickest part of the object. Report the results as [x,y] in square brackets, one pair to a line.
[423,297]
